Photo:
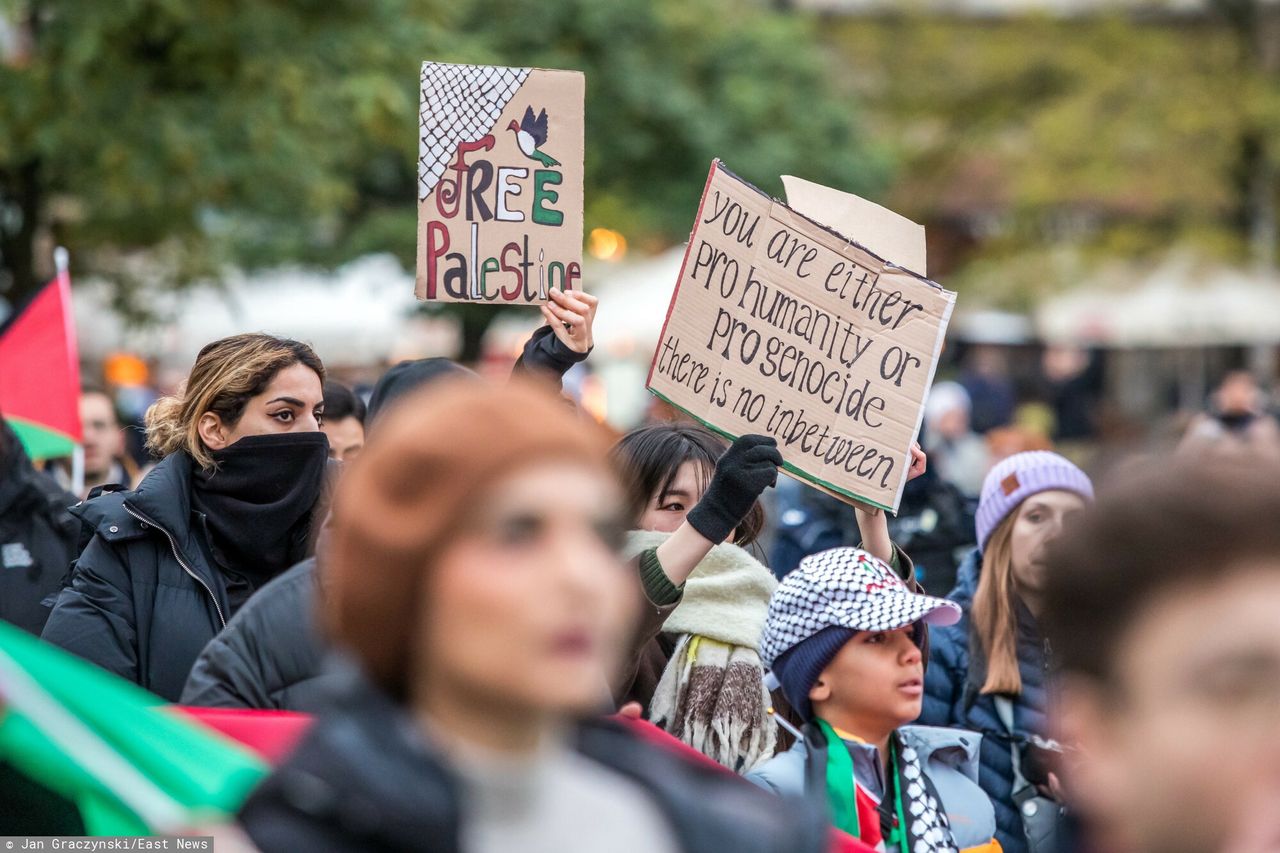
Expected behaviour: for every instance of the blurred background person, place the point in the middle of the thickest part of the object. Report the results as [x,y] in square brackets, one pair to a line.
[105,459]
[988,672]
[1237,421]
[38,536]
[957,454]
[344,414]
[1161,609]
[229,507]
[475,580]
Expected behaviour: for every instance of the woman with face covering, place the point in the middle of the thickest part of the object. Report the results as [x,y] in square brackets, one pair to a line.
[987,672]
[230,506]
[473,576]
[695,664]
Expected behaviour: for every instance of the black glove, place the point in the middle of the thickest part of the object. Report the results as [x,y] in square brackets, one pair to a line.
[742,474]
[547,355]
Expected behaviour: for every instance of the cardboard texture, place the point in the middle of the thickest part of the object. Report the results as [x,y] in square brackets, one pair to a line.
[499,183]
[890,235]
[780,326]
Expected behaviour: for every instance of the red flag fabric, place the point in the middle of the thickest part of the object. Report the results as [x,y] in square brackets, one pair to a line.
[271,734]
[40,372]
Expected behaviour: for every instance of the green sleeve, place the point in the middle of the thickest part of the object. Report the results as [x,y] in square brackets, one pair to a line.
[657,586]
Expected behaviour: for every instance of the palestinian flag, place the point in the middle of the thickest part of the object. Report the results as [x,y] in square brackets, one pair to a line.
[130,764]
[40,372]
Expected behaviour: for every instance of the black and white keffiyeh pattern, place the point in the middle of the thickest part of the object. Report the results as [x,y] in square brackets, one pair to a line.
[849,588]
[460,103]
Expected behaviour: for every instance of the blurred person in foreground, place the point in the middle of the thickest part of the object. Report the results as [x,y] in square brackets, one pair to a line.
[271,656]
[1237,421]
[344,415]
[229,507]
[1162,606]
[38,536]
[843,638]
[474,578]
[989,671]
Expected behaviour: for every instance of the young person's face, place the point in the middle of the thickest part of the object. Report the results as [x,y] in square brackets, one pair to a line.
[292,402]
[346,438]
[874,684]
[1038,521]
[530,606]
[1184,753]
[666,510]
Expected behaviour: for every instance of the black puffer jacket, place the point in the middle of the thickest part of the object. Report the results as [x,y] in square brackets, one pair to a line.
[144,597]
[360,782]
[38,536]
[270,654]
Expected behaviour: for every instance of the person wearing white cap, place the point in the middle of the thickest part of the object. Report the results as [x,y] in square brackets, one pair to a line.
[841,639]
[988,671]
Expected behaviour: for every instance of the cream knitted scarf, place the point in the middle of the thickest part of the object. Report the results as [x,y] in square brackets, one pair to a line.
[712,694]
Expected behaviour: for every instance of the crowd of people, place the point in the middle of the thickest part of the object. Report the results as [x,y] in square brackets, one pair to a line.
[477,590]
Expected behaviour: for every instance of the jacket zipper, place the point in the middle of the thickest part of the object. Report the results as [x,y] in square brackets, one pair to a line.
[177,556]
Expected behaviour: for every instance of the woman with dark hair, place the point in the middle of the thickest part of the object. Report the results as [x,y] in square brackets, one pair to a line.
[229,507]
[696,666]
[344,414]
[476,584]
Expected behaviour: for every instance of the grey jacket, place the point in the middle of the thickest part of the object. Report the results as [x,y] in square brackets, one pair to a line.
[949,758]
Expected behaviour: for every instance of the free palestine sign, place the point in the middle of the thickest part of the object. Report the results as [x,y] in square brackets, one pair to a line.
[499,183]
[783,326]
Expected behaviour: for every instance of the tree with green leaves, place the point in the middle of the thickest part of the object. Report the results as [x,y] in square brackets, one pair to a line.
[170,138]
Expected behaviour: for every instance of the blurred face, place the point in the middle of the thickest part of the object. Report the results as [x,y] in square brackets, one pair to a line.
[1185,754]
[103,439]
[529,609]
[953,423]
[1239,394]
[666,510]
[346,438]
[874,684]
[1038,521]
[292,402]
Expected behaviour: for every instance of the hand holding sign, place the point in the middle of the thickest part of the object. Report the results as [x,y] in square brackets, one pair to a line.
[570,314]
[742,474]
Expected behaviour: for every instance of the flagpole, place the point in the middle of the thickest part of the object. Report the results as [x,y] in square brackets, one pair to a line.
[61,263]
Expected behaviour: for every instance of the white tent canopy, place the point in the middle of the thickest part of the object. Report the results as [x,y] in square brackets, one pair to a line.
[362,313]
[1179,303]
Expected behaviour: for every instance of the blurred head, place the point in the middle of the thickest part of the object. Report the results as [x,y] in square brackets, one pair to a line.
[252,384]
[1161,606]
[473,561]
[103,438]
[946,412]
[665,469]
[842,639]
[1238,394]
[1025,501]
[343,421]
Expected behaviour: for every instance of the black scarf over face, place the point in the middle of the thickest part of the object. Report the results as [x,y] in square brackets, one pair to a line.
[257,501]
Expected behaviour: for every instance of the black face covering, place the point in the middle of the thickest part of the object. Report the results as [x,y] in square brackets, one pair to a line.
[257,502]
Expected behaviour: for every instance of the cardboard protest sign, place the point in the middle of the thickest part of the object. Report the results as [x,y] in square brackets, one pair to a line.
[499,183]
[783,327]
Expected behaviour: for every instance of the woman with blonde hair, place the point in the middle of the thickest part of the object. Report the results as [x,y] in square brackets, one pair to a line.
[987,672]
[229,506]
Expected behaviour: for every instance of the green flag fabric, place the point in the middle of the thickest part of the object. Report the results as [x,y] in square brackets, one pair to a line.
[132,765]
